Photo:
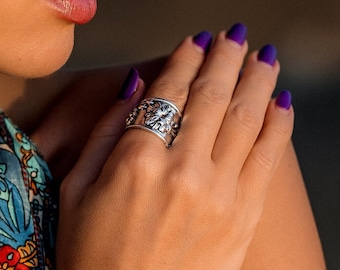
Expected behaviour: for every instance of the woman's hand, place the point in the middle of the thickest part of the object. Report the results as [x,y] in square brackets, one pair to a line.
[195,205]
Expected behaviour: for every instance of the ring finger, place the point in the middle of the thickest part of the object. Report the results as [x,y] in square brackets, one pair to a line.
[245,115]
[174,82]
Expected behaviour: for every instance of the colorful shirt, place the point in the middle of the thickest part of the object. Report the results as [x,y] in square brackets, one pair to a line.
[27,206]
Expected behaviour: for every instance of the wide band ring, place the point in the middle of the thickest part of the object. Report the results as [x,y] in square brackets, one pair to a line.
[159,116]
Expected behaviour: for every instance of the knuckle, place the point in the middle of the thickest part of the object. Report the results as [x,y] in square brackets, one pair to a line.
[186,183]
[140,171]
[223,55]
[282,131]
[246,116]
[172,89]
[213,92]
[264,80]
[216,207]
[231,59]
[143,160]
[264,157]
[192,188]
[268,82]
[180,58]
[137,161]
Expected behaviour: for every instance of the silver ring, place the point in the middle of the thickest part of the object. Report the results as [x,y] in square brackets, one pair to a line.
[157,115]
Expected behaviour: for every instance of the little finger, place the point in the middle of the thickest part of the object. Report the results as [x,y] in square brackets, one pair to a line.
[268,149]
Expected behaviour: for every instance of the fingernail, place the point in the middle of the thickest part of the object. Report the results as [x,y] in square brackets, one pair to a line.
[284,99]
[203,40]
[130,85]
[267,54]
[237,33]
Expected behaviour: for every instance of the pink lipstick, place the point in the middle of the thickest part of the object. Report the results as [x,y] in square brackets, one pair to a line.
[77,11]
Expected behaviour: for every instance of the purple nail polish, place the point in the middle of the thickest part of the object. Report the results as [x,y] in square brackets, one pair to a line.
[284,99]
[237,33]
[267,54]
[130,85]
[203,40]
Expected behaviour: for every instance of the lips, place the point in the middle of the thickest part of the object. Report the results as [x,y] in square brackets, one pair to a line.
[77,11]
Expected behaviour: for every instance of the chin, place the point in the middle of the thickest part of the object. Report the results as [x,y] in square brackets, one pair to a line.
[48,62]
[40,57]
[48,59]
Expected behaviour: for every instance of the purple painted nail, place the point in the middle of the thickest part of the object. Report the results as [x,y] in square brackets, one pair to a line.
[130,85]
[237,33]
[267,54]
[203,40]
[284,99]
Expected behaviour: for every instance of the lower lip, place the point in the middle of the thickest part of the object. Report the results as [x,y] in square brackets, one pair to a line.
[77,11]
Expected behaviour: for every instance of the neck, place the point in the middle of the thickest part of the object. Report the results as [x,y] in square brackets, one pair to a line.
[11,89]
[25,100]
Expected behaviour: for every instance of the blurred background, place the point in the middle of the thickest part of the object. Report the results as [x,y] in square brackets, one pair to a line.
[307,36]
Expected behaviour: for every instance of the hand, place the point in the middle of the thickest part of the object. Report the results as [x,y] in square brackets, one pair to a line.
[71,118]
[140,205]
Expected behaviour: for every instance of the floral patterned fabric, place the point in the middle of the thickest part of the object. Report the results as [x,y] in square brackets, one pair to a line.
[27,208]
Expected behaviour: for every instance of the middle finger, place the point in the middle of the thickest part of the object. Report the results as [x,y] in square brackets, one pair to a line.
[211,92]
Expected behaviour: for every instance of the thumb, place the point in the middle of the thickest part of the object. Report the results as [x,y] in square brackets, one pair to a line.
[103,139]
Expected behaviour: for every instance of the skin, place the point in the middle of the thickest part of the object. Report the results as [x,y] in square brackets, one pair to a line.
[254,235]
[31,38]
[286,236]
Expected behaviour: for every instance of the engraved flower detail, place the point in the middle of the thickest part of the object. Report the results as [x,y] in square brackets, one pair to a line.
[160,116]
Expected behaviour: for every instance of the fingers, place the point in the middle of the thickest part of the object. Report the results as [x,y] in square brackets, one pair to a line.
[104,137]
[267,151]
[175,80]
[181,69]
[245,115]
[212,91]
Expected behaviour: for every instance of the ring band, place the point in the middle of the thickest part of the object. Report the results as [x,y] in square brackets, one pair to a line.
[157,115]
